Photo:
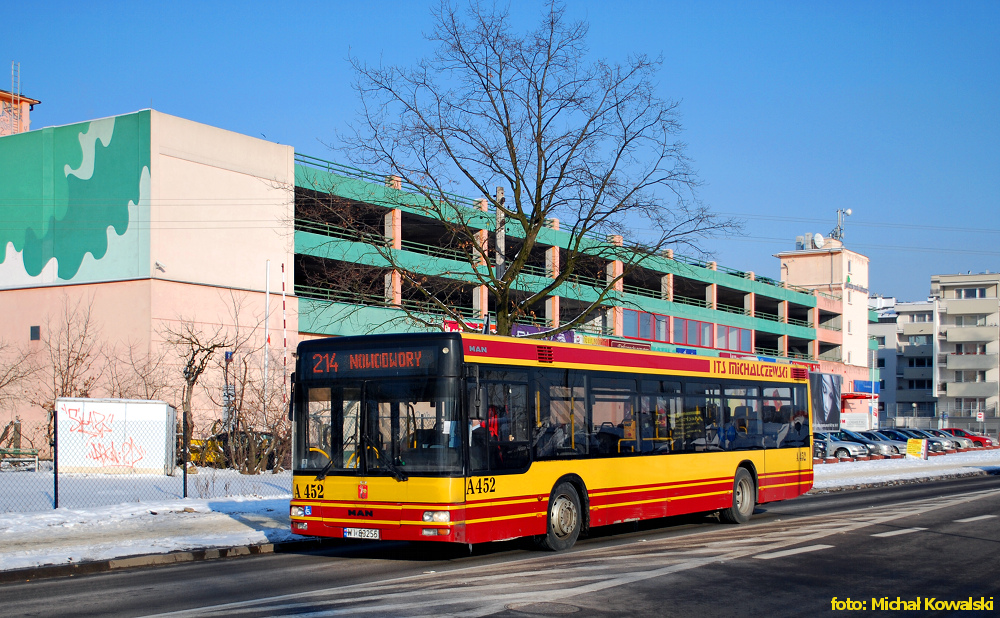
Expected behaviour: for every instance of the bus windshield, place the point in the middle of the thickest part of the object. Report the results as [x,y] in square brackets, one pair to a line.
[396,427]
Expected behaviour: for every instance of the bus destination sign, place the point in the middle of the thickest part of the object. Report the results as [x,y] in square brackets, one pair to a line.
[399,361]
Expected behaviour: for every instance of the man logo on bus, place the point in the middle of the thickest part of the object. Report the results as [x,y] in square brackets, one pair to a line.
[363,491]
[478,349]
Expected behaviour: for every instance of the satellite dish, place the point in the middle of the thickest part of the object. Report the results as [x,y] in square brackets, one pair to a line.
[818,240]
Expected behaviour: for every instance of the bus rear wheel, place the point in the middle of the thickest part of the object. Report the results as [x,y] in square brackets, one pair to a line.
[564,518]
[744,499]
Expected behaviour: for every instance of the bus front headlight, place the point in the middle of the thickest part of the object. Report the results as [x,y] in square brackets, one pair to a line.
[441,517]
[297,511]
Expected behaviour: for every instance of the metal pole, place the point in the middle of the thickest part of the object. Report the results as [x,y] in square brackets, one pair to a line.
[54,443]
[184,453]
[267,337]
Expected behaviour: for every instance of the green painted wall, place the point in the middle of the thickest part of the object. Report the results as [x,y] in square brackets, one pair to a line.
[75,199]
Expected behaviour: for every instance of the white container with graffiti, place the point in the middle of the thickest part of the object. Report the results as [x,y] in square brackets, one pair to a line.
[115,436]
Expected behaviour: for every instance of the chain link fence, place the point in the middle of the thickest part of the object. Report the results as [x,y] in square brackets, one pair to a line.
[88,464]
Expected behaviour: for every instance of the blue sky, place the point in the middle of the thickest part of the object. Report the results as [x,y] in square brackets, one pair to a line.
[791,110]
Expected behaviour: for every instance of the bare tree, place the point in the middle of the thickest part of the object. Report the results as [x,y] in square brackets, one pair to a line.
[254,430]
[133,374]
[72,357]
[17,366]
[197,346]
[587,143]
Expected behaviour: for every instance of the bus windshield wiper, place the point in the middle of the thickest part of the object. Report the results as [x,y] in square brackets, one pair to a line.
[322,473]
[391,467]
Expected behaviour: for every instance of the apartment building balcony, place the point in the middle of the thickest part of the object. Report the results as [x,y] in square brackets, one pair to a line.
[964,334]
[970,361]
[918,328]
[913,351]
[917,373]
[973,306]
[971,389]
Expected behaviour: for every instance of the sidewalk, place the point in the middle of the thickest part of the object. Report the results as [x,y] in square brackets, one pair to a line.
[66,541]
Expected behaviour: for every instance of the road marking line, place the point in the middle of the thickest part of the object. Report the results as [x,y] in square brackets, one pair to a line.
[791,552]
[895,532]
[971,519]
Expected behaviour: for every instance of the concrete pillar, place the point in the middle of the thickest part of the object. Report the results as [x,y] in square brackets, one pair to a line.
[712,296]
[394,288]
[783,312]
[615,270]
[552,262]
[394,228]
[618,317]
[480,301]
[394,182]
[667,287]
[481,238]
[749,302]
[552,311]
[783,345]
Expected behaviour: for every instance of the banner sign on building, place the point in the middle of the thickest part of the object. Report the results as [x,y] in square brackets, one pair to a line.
[826,400]
[866,386]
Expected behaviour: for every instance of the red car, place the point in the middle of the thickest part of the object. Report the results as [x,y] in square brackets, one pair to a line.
[975,437]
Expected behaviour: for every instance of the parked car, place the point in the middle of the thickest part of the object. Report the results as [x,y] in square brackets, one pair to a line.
[978,439]
[908,434]
[949,443]
[959,441]
[896,446]
[819,449]
[874,447]
[839,448]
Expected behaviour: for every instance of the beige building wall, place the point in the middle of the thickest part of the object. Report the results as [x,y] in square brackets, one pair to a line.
[221,205]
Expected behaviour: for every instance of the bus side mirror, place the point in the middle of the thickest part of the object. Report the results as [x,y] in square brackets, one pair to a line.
[291,398]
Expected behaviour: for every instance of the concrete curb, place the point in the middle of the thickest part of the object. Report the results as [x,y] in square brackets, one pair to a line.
[145,560]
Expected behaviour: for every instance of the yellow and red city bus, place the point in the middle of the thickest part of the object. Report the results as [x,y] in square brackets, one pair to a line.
[473,438]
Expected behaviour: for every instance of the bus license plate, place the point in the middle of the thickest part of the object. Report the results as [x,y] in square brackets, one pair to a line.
[361,533]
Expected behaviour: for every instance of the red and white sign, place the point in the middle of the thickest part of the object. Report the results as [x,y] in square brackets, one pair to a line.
[979,416]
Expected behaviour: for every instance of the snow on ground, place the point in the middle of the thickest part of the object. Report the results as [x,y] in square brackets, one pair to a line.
[70,535]
[829,476]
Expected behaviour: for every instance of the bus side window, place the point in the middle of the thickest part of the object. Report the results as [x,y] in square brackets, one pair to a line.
[500,440]
[562,428]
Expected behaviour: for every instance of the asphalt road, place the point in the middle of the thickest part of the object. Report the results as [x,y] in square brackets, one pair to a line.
[931,541]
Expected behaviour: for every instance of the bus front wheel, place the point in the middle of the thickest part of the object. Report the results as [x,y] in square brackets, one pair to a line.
[744,499]
[564,518]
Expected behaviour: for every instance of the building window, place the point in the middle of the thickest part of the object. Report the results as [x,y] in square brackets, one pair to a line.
[919,339]
[880,363]
[881,385]
[848,327]
[970,293]
[919,385]
[970,320]
[644,325]
[919,362]
[880,341]
[732,338]
[920,317]
[36,333]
